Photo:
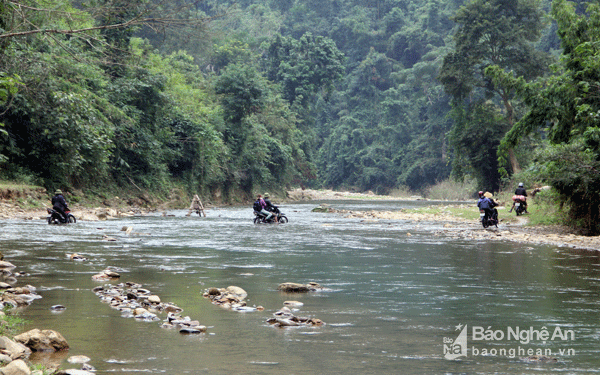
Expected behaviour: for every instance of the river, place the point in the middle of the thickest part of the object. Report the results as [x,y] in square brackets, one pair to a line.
[399,295]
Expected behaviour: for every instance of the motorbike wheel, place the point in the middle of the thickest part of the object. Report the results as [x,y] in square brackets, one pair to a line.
[485,223]
[49,219]
[71,219]
[257,220]
[283,220]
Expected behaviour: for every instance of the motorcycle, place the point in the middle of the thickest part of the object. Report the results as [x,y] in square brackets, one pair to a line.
[56,218]
[487,219]
[260,218]
[519,203]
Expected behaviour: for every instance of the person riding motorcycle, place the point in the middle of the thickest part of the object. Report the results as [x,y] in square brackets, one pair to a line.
[260,206]
[520,191]
[270,206]
[59,204]
[488,205]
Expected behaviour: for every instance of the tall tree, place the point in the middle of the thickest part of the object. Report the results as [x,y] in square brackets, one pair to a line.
[493,32]
[567,107]
[304,66]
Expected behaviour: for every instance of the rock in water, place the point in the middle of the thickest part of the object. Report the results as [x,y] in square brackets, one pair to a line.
[40,341]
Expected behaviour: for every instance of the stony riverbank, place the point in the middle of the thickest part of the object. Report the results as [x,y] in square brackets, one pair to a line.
[456,226]
[453,225]
[471,229]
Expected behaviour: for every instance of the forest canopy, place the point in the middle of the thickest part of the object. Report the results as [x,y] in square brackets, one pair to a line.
[229,97]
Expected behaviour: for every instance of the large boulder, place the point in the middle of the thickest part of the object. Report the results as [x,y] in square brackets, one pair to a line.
[18,367]
[299,288]
[239,293]
[13,349]
[4,265]
[293,288]
[42,340]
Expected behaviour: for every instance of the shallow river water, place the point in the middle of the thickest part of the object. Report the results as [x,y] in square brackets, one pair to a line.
[399,295]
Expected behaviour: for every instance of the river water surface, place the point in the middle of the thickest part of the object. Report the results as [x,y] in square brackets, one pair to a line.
[398,294]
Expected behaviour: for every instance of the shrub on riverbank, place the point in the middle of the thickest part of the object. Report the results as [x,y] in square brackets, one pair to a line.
[10,323]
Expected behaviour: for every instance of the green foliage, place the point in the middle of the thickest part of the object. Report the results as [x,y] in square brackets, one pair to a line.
[242,92]
[59,130]
[260,130]
[8,88]
[488,37]
[574,171]
[304,66]
[452,190]
[475,137]
[10,323]
[565,106]
[547,209]
[343,93]
[231,52]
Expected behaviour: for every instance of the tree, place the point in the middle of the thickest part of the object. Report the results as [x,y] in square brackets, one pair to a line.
[475,137]
[566,107]
[260,130]
[304,66]
[493,32]
[8,88]
[23,18]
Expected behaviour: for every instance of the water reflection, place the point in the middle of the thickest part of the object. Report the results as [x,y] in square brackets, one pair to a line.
[393,297]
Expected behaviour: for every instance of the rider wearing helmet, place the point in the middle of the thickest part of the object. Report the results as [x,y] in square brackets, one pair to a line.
[521,191]
[270,206]
[59,204]
[260,206]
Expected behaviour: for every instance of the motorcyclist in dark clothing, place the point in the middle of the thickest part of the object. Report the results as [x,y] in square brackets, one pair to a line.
[261,206]
[270,206]
[59,204]
[520,191]
[488,205]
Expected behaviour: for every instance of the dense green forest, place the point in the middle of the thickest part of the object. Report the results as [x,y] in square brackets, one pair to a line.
[229,97]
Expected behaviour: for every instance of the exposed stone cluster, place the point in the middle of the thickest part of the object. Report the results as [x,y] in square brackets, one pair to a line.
[300,288]
[134,301]
[14,296]
[106,275]
[184,324]
[232,297]
[285,317]
[103,213]
[14,353]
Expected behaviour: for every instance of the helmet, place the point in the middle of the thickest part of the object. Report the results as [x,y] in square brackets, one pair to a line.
[58,191]
[480,193]
[521,184]
[266,195]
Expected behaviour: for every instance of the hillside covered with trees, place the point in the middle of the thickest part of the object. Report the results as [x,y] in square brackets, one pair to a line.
[228,97]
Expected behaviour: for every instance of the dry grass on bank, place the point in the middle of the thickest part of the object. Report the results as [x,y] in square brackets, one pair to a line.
[450,190]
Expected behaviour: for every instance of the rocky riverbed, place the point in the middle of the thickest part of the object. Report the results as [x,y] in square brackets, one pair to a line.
[456,226]
[461,228]
[453,225]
